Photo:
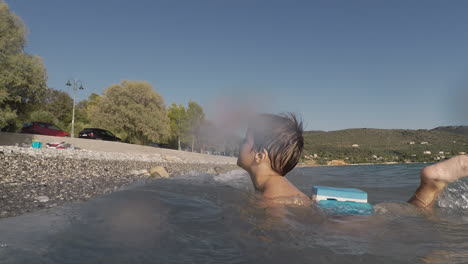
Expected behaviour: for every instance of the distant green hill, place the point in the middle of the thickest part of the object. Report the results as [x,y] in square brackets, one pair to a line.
[463,130]
[384,145]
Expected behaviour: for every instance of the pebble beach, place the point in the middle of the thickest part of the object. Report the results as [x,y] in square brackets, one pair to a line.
[35,179]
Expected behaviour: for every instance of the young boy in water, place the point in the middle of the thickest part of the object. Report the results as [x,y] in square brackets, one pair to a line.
[273,145]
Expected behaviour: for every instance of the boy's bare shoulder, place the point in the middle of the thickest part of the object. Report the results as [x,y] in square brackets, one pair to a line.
[281,187]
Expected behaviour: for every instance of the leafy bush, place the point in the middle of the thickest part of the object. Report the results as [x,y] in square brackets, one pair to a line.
[42,116]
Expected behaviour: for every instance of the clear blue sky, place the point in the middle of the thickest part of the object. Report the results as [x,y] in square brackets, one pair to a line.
[341,64]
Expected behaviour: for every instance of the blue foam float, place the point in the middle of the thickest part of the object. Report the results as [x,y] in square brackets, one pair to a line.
[342,201]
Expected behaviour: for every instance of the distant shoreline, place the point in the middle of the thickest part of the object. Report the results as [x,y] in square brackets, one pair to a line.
[301,165]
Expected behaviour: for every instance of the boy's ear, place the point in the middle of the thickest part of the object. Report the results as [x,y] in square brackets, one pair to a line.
[260,156]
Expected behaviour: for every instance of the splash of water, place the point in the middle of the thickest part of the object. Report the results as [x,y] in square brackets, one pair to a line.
[455,195]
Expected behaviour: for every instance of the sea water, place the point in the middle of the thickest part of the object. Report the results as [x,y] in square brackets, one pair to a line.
[199,218]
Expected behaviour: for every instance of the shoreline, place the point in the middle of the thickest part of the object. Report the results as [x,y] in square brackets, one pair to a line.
[355,164]
[35,179]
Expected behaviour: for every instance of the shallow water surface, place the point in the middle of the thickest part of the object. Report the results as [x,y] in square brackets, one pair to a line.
[218,219]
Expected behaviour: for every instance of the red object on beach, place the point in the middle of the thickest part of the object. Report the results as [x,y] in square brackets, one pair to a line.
[58,145]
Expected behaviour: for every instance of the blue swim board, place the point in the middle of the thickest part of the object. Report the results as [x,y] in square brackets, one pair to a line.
[342,201]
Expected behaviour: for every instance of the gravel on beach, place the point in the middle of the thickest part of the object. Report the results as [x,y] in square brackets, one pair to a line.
[33,179]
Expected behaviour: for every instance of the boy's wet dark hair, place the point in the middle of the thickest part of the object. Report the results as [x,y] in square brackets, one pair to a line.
[281,137]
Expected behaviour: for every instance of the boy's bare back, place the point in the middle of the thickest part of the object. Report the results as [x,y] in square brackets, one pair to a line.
[279,186]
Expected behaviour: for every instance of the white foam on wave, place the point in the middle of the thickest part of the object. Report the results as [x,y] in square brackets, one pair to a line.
[238,179]
[235,178]
[231,175]
[455,196]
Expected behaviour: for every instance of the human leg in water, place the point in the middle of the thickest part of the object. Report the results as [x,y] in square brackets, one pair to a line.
[435,177]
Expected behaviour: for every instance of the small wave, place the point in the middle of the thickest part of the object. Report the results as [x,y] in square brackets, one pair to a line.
[238,179]
[455,196]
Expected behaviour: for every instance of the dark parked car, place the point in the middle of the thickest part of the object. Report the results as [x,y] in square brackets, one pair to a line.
[97,133]
[43,128]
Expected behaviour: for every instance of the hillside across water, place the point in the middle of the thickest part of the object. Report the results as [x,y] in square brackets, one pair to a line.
[368,145]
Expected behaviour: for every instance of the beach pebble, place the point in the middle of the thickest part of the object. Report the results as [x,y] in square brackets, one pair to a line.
[43,199]
[142,172]
[218,170]
[172,159]
[159,172]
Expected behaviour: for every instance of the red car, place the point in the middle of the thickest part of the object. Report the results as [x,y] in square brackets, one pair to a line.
[43,128]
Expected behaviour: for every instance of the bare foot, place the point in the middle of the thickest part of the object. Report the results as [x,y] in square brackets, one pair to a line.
[447,171]
[434,178]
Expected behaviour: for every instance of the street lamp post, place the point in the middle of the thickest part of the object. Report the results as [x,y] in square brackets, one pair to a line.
[75,83]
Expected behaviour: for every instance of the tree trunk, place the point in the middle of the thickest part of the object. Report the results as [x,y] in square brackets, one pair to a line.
[178,143]
[193,142]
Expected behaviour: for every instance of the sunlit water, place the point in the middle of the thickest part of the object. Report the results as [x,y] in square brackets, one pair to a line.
[218,219]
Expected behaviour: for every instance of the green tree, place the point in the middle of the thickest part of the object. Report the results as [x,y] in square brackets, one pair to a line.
[195,117]
[86,108]
[178,122]
[132,110]
[83,111]
[43,116]
[22,76]
[60,104]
